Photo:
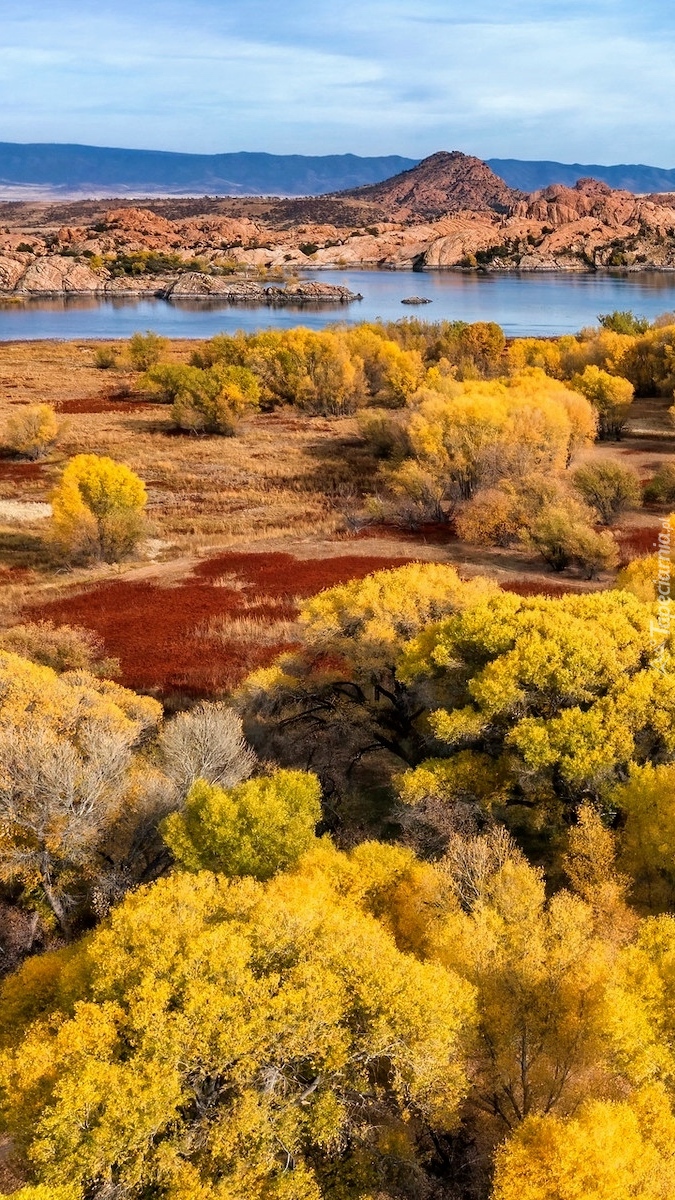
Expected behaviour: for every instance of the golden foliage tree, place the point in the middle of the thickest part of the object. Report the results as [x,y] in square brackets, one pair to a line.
[240,1039]
[620,1149]
[33,431]
[256,828]
[98,508]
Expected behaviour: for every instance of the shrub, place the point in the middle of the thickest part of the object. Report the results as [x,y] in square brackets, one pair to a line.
[610,395]
[32,432]
[212,401]
[105,358]
[661,487]
[167,380]
[384,432]
[98,509]
[493,517]
[418,493]
[257,828]
[609,488]
[146,349]
[563,536]
[61,647]
[624,322]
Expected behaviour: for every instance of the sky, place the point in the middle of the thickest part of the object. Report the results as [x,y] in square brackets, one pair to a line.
[589,82]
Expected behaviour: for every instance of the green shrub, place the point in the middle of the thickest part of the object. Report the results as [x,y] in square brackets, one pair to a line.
[609,488]
[146,349]
[105,358]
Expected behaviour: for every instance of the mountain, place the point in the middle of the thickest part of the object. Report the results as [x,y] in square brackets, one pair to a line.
[50,170]
[446,182]
[94,170]
[532,176]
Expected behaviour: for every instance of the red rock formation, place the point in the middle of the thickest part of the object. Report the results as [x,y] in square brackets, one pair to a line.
[442,183]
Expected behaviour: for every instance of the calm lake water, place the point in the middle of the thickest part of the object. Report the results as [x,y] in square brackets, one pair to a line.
[521,304]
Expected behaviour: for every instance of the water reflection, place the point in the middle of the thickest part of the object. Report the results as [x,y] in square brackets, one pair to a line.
[542,304]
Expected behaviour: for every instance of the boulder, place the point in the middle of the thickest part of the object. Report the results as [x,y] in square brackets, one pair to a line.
[54,274]
[11,270]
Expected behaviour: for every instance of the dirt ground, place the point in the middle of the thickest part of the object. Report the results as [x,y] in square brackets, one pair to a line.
[241,528]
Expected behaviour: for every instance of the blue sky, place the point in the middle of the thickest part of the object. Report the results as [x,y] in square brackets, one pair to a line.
[588,82]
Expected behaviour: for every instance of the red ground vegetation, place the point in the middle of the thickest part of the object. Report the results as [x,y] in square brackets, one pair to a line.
[637,541]
[102,404]
[154,629]
[20,471]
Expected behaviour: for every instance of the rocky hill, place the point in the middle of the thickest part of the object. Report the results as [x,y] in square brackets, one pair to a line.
[444,183]
[450,211]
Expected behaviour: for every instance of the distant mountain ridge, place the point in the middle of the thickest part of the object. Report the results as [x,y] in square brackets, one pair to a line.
[532,176]
[53,170]
[92,170]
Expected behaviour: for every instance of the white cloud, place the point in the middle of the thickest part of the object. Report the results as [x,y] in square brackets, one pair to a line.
[545,79]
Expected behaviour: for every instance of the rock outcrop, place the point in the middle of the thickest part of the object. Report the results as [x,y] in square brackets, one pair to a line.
[193,286]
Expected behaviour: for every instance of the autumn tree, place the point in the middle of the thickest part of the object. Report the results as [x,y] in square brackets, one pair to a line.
[98,508]
[564,536]
[646,802]
[642,577]
[620,1148]
[268,1039]
[610,395]
[563,694]
[477,434]
[609,488]
[391,373]
[649,362]
[543,979]
[338,699]
[504,514]
[66,772]
[256,828]
[33,431]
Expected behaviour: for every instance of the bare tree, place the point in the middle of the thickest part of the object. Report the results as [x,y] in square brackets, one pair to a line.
[56,799]
[206,743]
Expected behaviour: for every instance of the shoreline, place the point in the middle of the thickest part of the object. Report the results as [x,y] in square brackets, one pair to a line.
[208,288]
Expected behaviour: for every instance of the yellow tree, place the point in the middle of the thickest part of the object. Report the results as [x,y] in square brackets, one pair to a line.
[256,828]
[607,1151]
[231,1038]
[611,395]
[98,508]
[563,693]
[33,431]
[542,975]
[338,698]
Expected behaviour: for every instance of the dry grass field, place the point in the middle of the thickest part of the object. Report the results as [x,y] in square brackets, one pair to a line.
[240,528]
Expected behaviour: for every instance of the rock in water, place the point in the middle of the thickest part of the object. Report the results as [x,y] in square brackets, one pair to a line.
[417,300]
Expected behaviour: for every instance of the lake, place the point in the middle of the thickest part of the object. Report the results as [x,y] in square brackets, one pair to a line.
[527,304]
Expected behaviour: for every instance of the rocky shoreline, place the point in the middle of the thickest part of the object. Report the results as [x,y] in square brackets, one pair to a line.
[52,276]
